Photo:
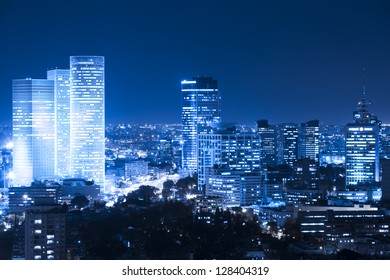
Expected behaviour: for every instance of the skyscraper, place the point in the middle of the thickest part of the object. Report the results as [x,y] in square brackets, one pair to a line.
[362,146]
[61,80]
[200,110]
[288,143]
[87,118]
[267,143]
[309,137]
[33,122]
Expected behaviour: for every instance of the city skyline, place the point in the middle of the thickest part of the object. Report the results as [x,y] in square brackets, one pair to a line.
[261,53]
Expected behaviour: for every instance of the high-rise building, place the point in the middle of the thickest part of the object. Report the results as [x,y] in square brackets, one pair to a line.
[87,118]
[229,149]
[267,143]
[61,80]
[45,233]
[289,143]
[200,110]
[33,120]
[332,144]
[362,146]
[309,136]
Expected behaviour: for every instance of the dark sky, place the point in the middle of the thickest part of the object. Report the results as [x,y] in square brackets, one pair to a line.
[286,61]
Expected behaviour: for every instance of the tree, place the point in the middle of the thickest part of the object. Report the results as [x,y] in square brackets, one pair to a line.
[167,186]
[79,201]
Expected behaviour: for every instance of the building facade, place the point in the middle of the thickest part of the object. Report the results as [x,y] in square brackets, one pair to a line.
[87,119]
[61,80]
[267,143]
[33,122]
[309,138]
[289,139]
[45,233]
[228,149]
[362,146]
[200,110]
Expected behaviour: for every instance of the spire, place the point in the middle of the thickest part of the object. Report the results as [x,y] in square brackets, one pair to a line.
[363,104]
[362,115]
[364,82]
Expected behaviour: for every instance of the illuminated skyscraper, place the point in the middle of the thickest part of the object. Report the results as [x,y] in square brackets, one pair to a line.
[200,110]
[62,116]
[362,146]
[309,137]
[288,146]
[267,143]
[33,122]
[87,117]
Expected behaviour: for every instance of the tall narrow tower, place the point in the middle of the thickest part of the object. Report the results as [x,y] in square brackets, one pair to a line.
[309,137]
[61,80]
[200,110]
[87,118]
[362,145]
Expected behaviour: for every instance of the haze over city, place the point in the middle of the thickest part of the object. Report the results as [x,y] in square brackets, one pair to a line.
[283,60]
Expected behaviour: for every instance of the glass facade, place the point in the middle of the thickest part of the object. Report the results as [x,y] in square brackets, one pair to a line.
[290,143]
[362,146]
[87,118]
[362,156]
[200,110]
[231,151]
[33,117]
[309,140]
[61,80]
[267,143]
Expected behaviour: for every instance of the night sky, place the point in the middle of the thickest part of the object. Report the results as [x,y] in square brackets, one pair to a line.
[285,61]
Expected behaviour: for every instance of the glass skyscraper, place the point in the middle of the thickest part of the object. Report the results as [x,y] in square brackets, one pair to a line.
[288,143]
[267,137]
[362,146]
[61,80]
[87,118]
[33,117]
[200,110]
[309,137]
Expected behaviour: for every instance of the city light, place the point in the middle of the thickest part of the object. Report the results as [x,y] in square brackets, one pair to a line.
[9,145]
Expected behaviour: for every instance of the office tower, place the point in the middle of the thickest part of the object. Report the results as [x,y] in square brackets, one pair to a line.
[61,80]
[289,142]
[362,146]
[45,232]
[200,110]
[267,143]
[33,120]
[87,118]
[332,144]
[228,149]
[233,187]
[309,137]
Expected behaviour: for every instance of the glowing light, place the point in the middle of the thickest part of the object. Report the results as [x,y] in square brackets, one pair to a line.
[11,175]
[190,196]
[9,145]
[187,82]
